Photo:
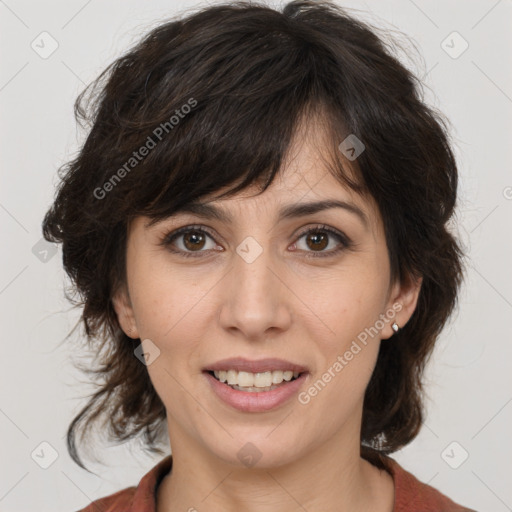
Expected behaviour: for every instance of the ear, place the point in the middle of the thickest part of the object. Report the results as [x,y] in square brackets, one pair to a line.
[402,303]
[124,310]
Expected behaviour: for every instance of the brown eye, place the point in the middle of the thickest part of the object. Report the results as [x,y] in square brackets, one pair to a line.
[317,240]
[189,241]
[193,240]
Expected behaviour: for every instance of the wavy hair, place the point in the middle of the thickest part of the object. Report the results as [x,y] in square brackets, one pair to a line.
[238,78]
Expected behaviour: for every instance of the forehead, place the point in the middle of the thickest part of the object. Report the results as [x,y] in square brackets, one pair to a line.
[307,178]
[290,198]
[308,163]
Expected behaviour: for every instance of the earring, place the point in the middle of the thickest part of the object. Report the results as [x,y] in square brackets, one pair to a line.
[395,327]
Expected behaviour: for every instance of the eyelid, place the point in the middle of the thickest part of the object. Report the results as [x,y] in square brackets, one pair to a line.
[345,242]
[171,236]
[324,227]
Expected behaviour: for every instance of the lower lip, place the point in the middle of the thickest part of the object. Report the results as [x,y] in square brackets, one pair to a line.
[258,401]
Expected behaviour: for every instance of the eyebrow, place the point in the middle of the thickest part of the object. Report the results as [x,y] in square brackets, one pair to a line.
[209,211]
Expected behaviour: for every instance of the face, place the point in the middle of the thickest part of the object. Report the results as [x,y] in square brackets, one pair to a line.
[313,290]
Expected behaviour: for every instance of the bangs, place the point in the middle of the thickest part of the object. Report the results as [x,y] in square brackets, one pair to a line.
[221,110]
[224,169]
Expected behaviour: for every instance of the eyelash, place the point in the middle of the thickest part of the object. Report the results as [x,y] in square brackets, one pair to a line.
[345,242]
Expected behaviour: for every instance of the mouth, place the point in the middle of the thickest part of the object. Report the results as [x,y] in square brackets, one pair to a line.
[255,376]
[255,382]
[255,392]
[255,385]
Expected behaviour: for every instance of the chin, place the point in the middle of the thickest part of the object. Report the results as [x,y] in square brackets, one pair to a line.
[258,450]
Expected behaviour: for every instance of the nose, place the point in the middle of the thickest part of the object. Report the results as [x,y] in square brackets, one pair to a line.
[255,301]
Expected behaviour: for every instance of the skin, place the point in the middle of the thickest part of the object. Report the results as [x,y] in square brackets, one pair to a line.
[283,304]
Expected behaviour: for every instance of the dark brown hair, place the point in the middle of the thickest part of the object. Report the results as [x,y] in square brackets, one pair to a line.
[216,98]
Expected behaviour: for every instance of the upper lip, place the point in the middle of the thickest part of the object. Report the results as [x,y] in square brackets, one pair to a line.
[255,366]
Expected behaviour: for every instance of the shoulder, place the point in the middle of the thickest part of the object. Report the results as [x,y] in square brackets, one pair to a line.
[117,502]
[411,495]
[134,499]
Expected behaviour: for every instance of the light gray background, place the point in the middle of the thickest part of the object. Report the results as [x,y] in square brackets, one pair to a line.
[469,380]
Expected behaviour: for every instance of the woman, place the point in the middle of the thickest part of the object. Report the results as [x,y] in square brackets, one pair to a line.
[257,229]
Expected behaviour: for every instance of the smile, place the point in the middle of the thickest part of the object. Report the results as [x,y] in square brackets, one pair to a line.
[255,382]
[255,398]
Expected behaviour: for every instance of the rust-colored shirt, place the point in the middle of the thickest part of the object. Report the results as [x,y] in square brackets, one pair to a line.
[411,495]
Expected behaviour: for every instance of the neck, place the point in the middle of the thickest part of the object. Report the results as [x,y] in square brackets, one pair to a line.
[331,476]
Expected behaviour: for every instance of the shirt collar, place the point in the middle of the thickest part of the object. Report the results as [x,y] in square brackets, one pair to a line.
[144,498]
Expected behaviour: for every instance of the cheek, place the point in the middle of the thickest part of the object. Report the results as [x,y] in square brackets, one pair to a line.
[166,304]
[336,396]
[164,298]
[347,303]
[346,363]
[350,307]
[173,309]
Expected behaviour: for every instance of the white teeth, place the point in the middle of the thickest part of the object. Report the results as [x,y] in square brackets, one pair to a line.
[277,376]
[262,380]
[259,380]
[245,379]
